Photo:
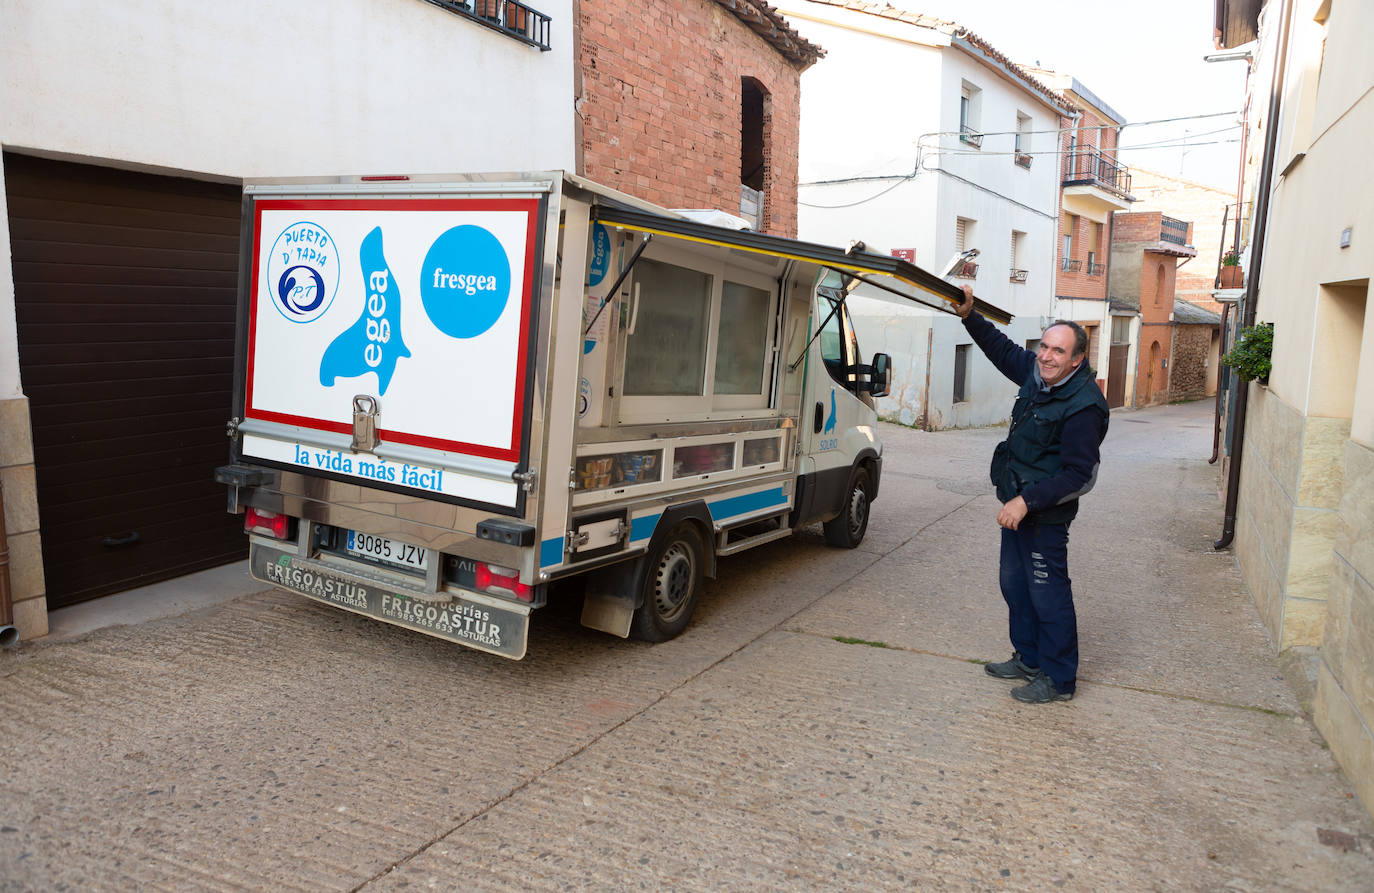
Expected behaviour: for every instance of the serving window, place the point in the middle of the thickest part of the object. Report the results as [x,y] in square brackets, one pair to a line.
[698,339]
[670,312]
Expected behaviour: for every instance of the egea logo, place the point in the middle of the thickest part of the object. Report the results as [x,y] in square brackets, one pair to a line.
[465,281]
[303,272]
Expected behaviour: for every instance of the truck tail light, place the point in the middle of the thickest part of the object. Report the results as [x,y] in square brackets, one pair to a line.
[266,523]
[489,576]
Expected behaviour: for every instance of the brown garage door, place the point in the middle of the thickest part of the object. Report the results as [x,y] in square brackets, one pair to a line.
[124,292]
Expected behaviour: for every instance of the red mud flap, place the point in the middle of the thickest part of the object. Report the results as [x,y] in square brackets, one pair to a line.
[468,619]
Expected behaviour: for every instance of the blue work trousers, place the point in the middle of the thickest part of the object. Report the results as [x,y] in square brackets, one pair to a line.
[1036,586]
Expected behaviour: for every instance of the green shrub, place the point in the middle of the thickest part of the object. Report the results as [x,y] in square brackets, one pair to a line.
[1251,356]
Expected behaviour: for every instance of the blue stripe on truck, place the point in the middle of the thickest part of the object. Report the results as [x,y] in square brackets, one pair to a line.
[723,509]
[551,552]
[642,528]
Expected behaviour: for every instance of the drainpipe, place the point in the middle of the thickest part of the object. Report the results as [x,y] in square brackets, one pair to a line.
[1216,414]
[9,636]
[925,395]
[1261,221]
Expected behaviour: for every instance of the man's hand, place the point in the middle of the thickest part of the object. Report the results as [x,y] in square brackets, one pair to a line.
[966,308]
[1012,513]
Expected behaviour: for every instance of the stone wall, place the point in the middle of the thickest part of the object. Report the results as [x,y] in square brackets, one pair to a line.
[1344,703]
[660,106]
[21,520]
[1286,527]
[1188,369]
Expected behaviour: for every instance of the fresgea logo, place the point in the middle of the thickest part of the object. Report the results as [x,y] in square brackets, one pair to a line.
[465,281]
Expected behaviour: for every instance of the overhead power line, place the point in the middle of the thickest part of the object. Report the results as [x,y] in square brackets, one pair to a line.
[1186,141]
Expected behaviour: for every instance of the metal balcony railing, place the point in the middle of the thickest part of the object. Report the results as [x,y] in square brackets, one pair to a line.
[1096,269]
[970,136]
[1174,231]
[968,271]
[1023,159]
[1018,275]
[1070,265]
[1088,166]
[510,17]
[1235,226]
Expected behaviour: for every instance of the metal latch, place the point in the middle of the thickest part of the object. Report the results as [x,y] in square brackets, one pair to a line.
[602,534]
[232,428]
[365,411]
[526,479]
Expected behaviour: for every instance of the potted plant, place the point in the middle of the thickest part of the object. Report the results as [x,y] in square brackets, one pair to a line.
[1232,276]
[1252,355]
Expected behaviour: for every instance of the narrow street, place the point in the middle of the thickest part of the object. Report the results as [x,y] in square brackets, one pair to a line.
[825,723]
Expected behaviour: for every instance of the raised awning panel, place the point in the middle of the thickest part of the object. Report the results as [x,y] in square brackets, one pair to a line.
[891,274]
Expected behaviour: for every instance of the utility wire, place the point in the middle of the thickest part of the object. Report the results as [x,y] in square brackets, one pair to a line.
[1181,142]
[1082,127]
[862,201]
[875,178]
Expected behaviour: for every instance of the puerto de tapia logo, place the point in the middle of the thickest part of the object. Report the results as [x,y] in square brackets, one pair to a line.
[303,272]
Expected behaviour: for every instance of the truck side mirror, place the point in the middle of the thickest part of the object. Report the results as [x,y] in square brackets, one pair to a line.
[880,378]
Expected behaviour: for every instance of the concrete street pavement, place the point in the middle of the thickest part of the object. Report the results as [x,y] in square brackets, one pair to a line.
[824,724]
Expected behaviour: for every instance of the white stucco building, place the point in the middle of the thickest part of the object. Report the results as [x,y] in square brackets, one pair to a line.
[127,129]
[919,137]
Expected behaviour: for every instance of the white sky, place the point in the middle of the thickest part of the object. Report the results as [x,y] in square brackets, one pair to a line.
[1142,59]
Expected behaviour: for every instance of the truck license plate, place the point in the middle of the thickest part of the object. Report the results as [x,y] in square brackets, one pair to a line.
[392,552]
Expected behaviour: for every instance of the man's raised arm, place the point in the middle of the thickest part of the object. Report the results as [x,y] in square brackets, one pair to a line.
[1012,360]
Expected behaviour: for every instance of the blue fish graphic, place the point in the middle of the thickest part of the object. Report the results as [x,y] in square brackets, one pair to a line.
[373,343]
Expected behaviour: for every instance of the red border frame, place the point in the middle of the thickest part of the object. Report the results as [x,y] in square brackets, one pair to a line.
[531,209]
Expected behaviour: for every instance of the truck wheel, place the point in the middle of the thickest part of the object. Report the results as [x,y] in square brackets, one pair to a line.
[847,529]
[672,585]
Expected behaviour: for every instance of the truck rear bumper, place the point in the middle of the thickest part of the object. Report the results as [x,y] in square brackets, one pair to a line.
[466,618]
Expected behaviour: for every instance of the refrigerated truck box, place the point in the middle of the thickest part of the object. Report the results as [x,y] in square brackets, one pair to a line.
[454,392]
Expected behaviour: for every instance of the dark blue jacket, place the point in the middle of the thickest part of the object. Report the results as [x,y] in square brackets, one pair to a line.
[1050,456]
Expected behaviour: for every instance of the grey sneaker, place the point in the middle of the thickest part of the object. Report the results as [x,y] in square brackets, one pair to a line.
[1041,690]
[1012,669]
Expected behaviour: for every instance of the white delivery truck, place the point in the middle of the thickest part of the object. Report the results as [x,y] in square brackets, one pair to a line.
[454,392]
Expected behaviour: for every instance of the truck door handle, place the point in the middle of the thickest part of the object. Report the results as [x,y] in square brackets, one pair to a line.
[818,419]
[123,539]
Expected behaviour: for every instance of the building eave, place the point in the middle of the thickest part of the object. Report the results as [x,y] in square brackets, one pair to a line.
[963,39]
[768,23]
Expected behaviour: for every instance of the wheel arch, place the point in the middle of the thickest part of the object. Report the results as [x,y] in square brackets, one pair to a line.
[699,516]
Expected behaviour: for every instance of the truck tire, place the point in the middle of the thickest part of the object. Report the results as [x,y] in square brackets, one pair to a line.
[673,575]
[846,530]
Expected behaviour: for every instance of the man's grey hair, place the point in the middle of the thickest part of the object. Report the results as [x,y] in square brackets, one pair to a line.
[1080,335]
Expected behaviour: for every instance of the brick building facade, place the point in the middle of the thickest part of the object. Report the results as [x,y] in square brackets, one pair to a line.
[1146,248]
[1094,187]
[1204,206]
[1083,245]
[682,102]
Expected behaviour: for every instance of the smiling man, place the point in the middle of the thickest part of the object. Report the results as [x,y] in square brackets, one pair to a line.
[1047,462]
